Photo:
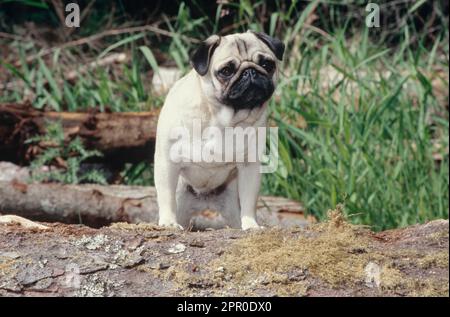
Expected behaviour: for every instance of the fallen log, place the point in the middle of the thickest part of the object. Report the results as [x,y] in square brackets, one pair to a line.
[121,137]
[330,259]
[96,205]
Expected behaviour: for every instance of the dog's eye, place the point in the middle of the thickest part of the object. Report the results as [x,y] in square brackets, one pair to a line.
[227,71]
[268,65]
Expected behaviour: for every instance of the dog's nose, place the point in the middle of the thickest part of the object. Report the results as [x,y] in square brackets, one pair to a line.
[249,72]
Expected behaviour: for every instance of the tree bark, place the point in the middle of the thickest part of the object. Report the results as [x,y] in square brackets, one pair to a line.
[122,137]
[146,260]
[96,205]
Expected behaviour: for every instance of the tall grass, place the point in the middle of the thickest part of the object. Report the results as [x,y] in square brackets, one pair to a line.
[45,85]
[363,118]
[370,141]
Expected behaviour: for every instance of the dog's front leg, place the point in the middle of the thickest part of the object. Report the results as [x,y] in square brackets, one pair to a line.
[249,180]
[166,180]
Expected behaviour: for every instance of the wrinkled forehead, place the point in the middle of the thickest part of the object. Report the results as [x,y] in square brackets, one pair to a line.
[244,47]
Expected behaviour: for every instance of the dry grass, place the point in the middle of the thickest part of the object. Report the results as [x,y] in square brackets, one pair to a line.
[334,252]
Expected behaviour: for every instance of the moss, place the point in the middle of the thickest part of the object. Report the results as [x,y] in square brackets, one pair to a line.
[335,252]
[436,259]
[287,262]
[7,267]
[392,279]
[429,288]
[140,227]
[438,236]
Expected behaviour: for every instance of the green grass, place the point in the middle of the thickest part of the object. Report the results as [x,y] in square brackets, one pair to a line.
[68,158]
[375,138]
[369,140]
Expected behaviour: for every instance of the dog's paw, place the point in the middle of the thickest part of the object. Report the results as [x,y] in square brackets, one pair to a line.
[170,224]
[250,223]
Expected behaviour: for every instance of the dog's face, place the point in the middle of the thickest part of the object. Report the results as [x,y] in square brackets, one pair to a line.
[239,70]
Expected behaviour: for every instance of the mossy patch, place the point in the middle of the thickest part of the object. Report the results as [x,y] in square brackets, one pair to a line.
[334,252]
[428,288]
[438,236]
[140,227]
[333,257]
[435,259]
[7,267]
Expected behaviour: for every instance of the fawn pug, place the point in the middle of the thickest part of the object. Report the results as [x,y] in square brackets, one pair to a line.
[232,79]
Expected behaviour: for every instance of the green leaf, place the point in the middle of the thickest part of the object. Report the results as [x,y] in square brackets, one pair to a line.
[124,41]
[416,6]
[150,58]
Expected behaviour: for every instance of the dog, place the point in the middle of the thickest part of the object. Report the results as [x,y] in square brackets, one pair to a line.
[232,79]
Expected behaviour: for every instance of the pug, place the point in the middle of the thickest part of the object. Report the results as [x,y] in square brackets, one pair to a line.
[232,79]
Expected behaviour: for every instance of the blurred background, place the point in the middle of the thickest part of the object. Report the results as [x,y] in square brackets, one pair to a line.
[362,111]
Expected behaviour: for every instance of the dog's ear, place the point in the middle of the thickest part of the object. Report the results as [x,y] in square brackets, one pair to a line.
[274,44]
[202,56]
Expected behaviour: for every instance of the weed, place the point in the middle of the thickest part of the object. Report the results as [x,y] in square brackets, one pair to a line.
[67,156]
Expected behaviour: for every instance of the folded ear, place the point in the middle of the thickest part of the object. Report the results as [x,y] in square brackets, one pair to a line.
[202,56]
[274,44]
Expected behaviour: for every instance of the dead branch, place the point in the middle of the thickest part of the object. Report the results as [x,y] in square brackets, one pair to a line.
[113,32]
[14,37]
[114,58]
